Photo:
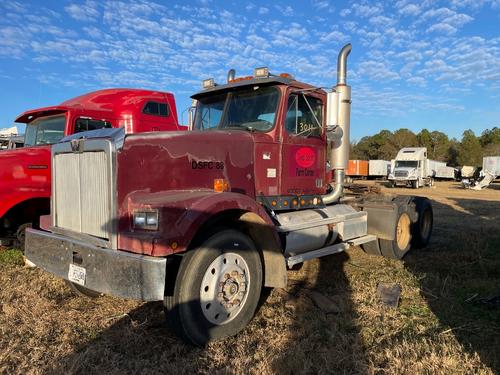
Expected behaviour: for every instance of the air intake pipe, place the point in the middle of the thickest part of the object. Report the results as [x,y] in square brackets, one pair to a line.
[338,126]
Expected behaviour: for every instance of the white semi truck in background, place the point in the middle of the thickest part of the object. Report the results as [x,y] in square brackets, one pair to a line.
[412,168]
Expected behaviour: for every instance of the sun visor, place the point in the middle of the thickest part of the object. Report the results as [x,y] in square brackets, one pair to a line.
[33,114]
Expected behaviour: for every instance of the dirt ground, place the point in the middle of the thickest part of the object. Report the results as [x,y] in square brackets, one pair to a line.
[447,322]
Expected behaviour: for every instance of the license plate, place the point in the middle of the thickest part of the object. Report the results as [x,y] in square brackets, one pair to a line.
[77,274]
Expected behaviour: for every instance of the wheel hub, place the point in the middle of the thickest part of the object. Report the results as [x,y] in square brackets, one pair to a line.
[224,287]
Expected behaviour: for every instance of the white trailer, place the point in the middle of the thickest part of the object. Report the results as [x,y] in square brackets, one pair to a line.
[467,171]
[445,173]
[412,168]
[492,164]
[434,165]
[379,168]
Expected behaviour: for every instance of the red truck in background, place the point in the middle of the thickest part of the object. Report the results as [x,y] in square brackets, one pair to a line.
[25,173]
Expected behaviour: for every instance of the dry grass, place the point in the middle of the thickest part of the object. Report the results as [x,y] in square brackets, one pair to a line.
[440,325]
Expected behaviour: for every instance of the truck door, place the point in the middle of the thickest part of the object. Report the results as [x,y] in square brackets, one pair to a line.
[303,146]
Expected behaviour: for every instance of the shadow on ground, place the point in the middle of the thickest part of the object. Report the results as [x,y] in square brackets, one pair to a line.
[292,335]
[460,270]
[289,335]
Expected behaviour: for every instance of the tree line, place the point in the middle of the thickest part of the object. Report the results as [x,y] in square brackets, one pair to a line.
[470,150]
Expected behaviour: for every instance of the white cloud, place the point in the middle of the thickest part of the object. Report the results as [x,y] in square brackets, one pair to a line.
[287,11]
[345,12]
[334,36]
[375,70]
[382,21]
[366,11]
[83,12]
[263,10]
[418,81]
[320,4]
[442,28]
[410,10]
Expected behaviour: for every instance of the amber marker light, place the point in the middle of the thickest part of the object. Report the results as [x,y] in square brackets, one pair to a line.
[220,185]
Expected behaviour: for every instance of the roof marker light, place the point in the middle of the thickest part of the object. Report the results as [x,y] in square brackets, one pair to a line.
[207,83]
[262,72]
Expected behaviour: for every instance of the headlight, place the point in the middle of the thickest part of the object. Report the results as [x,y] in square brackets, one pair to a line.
[146,220]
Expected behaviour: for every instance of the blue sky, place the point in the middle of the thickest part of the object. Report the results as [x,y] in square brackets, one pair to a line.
[425,64]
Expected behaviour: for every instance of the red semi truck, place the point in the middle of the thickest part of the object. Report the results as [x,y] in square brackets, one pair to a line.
[203,220]
[25,173]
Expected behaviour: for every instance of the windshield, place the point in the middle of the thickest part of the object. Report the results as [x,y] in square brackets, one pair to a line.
[406,163]
[250,108]
[45,130]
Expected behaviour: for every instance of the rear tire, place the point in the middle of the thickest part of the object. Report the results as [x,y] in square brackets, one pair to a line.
[217,288]
[421,229]
[400,245]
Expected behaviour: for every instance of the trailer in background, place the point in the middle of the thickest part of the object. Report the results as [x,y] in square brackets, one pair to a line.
[467,171]
[357,169]
[379,168]
[446,173]
[433,166]
[492,164]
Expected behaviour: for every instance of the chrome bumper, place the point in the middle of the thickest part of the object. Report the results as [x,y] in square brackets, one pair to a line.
[114,272]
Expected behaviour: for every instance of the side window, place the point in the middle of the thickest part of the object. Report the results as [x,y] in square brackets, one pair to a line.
[156,109]
[85,124]
[304,116]
[209,117]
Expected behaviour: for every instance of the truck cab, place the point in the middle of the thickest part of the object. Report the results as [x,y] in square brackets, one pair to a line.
[25,173]
[203,220]
[411,168]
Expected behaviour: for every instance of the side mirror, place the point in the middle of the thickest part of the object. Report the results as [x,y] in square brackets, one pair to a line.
[191,112]
[334,135]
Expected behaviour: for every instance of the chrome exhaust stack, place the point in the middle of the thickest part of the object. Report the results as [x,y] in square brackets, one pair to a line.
[230,75]
[338,117]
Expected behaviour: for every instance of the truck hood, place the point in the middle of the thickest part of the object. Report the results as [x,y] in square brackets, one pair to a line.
[182,160]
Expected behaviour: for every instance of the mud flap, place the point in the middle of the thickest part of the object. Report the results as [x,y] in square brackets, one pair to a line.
[382,215]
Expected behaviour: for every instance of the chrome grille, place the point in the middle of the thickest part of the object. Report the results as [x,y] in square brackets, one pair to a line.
[401,174]
[82,199]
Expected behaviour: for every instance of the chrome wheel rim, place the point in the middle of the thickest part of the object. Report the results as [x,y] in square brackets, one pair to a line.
[224,288]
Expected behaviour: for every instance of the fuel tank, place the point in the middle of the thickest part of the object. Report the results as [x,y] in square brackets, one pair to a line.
[340,222]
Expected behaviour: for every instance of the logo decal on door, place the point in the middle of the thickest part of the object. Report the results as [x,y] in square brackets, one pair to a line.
[305,157]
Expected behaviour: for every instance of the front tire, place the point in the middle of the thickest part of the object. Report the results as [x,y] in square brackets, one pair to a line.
[21,235]
[217,288]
